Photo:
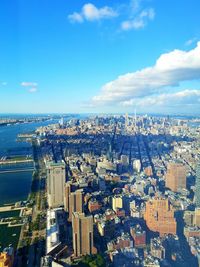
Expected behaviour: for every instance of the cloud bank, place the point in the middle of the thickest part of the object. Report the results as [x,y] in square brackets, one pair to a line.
[169,70]
[185,97]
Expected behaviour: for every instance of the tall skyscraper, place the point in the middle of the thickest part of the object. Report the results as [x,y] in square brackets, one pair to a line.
[176,176]
[82,234]
[55,183]
[75,202]
[197,186]
[159,216]
[126,122]
[67,192]
[135,119]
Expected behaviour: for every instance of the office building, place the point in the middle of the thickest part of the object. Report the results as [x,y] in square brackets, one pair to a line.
[157,249]
[159,216]
[75,202]
[55,183]
[197,217]
[138,235]
[117,202]
[137,165]
[55,218]
[82,227]
[176,176]
[125,160]
[67,192]
[197,186]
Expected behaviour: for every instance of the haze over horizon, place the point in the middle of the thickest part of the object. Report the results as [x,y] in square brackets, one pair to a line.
[100,56]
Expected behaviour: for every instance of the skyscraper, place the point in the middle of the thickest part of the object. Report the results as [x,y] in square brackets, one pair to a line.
[197,186]
[159,216]
[176,176]
[75,202]
[55,183]
[67,192]
[82,234]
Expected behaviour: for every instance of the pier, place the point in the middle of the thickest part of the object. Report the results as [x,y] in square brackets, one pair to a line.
[10,208]
[18,170]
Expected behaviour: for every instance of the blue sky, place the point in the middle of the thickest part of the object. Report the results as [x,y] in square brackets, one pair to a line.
[99,56]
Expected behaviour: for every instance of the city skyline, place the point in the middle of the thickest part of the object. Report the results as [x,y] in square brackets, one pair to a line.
[91,57]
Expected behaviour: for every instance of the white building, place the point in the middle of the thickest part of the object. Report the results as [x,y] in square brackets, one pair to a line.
[55,183]
[137,165]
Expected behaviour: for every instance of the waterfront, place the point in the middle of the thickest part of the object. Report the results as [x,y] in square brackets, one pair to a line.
[8,138]
[15,186]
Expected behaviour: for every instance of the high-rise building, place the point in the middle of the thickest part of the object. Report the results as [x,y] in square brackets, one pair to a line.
[82,234]
[176,176]
[117,202]
[126,121]
[137,165]
[159,216]
[75,202]
[55,183]
[197,217]
[197,186]
[67,192]
[125,160]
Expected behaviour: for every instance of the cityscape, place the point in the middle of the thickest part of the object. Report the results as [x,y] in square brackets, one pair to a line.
[100,133]
[112,190]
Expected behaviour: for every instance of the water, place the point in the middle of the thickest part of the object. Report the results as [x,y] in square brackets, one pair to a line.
[9,236]
[15,186]
[8,137]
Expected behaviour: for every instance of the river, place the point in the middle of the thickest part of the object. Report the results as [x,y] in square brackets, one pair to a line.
[15,186]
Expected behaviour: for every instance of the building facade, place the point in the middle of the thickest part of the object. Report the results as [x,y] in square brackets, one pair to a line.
[75,202]
[56,174]
[159,216]
[82,234]
[176,176]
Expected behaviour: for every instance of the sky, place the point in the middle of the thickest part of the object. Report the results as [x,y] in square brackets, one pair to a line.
[106,56]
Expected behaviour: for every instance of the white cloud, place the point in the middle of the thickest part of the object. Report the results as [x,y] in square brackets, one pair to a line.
[185,97]
[90,12]
[33,90]
[135,5]
[169,70]
[32,87]
[190,41]
[76,17]
[140,21]
[29,84]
